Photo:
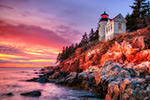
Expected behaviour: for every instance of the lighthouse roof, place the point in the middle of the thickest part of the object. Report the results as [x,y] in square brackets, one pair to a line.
[104,14]
[104,17]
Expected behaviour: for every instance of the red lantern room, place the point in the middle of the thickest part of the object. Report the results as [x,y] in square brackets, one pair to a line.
[104,15]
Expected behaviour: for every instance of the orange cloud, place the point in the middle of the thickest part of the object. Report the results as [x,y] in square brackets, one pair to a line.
[23,65]
[43,60]
[9,56]
[22,44]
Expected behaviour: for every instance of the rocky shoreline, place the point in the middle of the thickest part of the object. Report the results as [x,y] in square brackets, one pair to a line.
[109,81]
[118,69]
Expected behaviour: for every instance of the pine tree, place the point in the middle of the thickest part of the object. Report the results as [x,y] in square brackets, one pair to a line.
[146,9]
[67,48]
[130,22]
[84,39]
[138,8]
[59,58]
[139,17]
[91,35]
[95,36]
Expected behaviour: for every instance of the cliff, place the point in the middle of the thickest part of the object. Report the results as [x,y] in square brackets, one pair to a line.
[126,49]
[118,69]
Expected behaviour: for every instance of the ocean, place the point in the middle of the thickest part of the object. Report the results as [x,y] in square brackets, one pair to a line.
[13,80]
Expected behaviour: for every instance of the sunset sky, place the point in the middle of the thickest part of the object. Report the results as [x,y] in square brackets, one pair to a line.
[33,32]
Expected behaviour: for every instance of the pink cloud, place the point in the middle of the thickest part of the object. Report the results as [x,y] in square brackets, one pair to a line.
[32,34]
[30,43]
[6,7]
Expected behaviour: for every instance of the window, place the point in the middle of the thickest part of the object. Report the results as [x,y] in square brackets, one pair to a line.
[111,26]
[119,26]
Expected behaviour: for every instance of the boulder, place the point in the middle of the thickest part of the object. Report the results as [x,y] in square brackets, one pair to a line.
[118,83]
[60,81]
[8,94]
[128,50]
[50,72]
[42,79]
[132,72]
[72,75]
[87,65]
[143,68]
[32,93]
[72,79]
[32,80]
[55,75]
[63,73]
[91,78]
[116,47]
[143,55]
[140,41]
[70,65]
[114,56]
[78,51]
[128,88]
[124,51]
[83,76]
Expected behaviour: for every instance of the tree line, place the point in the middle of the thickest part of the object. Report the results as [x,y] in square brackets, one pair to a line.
[140,16]
[69,50]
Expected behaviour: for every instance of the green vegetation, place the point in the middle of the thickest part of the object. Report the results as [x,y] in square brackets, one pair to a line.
[68,51]
[140,16]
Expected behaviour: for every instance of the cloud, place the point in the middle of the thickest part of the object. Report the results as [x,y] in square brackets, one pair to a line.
[68,33]
[6,58]
[6,7]
[9,50]
[4,61]
[26,44]
[26,14]
[32,34]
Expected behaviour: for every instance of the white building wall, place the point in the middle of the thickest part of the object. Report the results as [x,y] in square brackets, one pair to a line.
[102,30]
[111,33]
[116,27]
[109,28]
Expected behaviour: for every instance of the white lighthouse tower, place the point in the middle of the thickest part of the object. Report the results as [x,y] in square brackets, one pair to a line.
[102,24]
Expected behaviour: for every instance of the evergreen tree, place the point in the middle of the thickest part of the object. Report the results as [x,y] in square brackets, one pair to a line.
[130,22]
[67,48]
[95,36]
[146,9]
[76,45]
[91,35]
[84,39]
[138,8]
[59,58]
[139,17]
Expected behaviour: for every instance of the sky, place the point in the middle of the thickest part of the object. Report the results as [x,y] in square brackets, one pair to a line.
[33,32]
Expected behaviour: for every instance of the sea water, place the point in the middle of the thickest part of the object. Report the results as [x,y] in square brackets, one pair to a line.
[14,80]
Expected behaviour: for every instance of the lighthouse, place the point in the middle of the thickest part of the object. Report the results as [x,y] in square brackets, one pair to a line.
[102,24]
[110,28]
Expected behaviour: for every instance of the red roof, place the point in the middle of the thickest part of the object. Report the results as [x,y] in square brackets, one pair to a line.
[110,19]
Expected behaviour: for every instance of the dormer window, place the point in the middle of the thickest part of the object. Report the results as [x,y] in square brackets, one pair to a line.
[111,26]
[119,26]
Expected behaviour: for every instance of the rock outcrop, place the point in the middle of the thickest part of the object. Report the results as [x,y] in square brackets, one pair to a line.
[118,69]
[125,48]
[8,94]
[32,93]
